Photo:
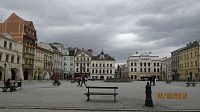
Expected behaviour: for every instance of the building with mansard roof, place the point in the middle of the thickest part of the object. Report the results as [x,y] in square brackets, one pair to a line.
[102,66]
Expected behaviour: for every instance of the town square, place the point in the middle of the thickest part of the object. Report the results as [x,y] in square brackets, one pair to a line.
[99,55]
[40,96]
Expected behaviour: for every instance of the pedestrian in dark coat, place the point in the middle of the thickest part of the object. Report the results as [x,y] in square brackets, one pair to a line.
[83,81]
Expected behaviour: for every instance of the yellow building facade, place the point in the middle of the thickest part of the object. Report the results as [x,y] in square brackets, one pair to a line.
[188,61]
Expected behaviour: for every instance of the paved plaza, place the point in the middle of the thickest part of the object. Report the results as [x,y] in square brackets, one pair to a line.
[36,96]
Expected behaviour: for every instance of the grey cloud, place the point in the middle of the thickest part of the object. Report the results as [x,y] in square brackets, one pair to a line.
[91,23]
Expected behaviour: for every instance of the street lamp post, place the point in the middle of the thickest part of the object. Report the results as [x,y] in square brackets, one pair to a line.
[4,80]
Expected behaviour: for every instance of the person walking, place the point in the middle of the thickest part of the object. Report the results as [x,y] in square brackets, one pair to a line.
[83,80]
[79,81]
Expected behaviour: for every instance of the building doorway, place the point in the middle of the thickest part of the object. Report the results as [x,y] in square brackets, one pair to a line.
[101,77]
[13,74]
[25,75]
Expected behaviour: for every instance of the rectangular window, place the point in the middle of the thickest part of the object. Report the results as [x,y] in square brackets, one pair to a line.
[92,70]
[140,69]
[93,65]
[131,64]
[135,70]
[71,64]
[96,65]
[5,44]
[135,64]
[107,65]
[76,69]
[110,71]
[103,65]
[158,70]
[157,64]
[7,57]
[149,69]
[131,69]
[110,65]
[144,64]
[88,69]
[10,46]
[12,59]
[96,71]
[148,64]
[88,64]
[140,64]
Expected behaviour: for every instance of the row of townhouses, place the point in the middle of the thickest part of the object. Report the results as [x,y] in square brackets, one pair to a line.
[186,61]
[22,57]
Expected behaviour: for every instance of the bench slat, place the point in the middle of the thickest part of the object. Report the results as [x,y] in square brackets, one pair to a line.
[98,93]
[102,87]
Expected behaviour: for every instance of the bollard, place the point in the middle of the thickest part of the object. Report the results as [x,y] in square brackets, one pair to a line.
[148,100]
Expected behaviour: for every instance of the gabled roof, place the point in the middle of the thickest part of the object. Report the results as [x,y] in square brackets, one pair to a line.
[26,23]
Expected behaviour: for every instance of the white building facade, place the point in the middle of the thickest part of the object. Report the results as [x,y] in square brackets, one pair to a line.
[68,63]
[102,67]
[166,69]
[142,66]
[10,58]
[82,62]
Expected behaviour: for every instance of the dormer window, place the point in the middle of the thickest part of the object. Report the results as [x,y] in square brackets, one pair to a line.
[102,56]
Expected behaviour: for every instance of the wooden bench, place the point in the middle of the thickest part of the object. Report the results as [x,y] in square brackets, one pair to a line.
[13,87]
[190,83]
[88,93]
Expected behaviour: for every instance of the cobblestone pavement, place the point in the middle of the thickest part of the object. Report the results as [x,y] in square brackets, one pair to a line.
[43,96]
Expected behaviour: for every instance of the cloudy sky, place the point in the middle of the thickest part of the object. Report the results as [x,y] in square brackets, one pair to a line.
[120,27]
